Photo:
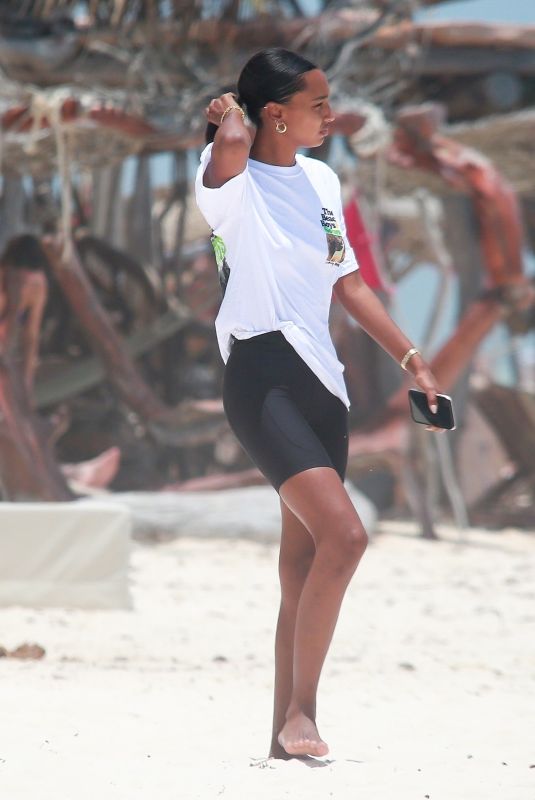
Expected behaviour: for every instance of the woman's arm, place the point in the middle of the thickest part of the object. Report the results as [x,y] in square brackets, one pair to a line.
[14,304]
[232,142]
[363,305]
[37,294]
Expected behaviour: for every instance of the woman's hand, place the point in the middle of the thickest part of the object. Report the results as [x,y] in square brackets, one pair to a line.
[427,383]
[218,105]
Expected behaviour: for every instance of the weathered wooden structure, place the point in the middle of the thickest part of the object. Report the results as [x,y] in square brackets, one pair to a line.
[89,84]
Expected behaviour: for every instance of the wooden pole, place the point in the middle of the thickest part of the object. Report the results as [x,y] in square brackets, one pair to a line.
[28,469]
[121,371]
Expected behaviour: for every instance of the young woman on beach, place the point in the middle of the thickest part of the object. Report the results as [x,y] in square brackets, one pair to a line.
[23,296]
[281,250]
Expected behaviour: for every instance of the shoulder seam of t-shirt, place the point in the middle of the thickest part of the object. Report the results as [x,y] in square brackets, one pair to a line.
[203,162]
[316,163]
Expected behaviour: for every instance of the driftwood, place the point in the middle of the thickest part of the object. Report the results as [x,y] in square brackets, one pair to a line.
[434,49]
[19,119]
[118,263]
[75,378]
[219,482]
[27,466]
[11,208]
[150,74]
[123,13]
[505,140]
[417,143]
[457,34]
[511,413]
[132,130]
[333,27]
[389,438]
[28,469]
[120,369]
[496,209]
[166,64]
[184,425]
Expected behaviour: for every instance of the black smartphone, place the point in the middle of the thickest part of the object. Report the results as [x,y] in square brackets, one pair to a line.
[422,414]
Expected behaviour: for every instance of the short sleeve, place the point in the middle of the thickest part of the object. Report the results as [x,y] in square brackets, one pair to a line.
[350,263]
[218,205]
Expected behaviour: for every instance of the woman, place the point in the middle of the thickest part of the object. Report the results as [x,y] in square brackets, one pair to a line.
[23,296]
[24,290]
[281,250]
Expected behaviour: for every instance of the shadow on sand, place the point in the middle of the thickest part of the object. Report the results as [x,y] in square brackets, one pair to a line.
[307,761]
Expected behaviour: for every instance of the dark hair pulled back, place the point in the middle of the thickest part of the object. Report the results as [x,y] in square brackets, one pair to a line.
[24,252]
[271,75]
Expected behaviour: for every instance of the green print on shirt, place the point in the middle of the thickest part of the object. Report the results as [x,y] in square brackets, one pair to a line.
[335,240]
[223,269]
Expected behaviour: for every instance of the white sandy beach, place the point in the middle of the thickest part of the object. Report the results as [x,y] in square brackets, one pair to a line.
[428,691]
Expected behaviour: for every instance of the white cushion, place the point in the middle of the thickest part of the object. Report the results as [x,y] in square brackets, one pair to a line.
[72,555]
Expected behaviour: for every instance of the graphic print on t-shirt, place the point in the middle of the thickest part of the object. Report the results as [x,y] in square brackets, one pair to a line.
[223,269]
[335,240]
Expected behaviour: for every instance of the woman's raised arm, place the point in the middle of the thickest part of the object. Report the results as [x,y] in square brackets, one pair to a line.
[232,141]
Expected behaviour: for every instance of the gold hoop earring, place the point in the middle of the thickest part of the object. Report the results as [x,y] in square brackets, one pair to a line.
[281,127]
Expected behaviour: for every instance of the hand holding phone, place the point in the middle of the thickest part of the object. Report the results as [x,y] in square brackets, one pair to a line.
[422,414]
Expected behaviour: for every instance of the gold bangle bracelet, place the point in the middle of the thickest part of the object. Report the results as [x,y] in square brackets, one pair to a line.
[406,358]
[229,109]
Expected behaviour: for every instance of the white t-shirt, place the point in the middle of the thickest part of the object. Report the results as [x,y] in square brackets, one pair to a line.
[280,244]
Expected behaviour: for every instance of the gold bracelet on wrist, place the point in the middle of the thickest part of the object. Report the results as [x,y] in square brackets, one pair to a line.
[229,109]
[407,357]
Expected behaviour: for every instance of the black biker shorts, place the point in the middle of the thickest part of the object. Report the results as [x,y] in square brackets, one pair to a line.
[281,413]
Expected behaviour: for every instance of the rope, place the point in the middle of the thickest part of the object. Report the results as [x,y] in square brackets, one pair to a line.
[451,485]
[49,105]
[64,162]
[374,136]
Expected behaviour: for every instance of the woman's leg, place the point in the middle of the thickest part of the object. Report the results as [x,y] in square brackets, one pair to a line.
[297,551]
[319,501]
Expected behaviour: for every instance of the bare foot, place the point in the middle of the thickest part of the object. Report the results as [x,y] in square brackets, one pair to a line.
[300,737]
[96,473]
[277,751]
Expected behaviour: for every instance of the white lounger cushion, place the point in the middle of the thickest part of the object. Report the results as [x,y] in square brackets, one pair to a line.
[73,555]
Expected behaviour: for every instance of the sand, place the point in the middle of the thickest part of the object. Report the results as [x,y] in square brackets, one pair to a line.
[428,691]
